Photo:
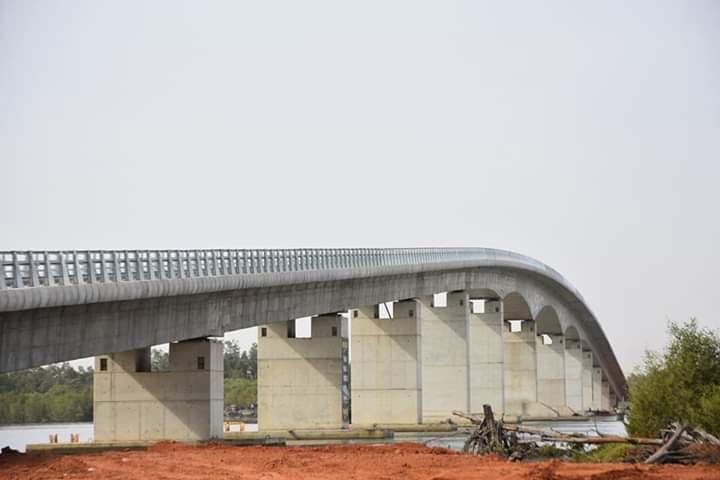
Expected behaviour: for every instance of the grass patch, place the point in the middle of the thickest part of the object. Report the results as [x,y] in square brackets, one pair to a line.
[609,453]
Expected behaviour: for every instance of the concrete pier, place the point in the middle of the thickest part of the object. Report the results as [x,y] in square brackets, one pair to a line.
[573,375]
[385,377]
[300,379]
[486,357]
[133,403]
[550,350]
[587,380]
[520,381]
[605,395]
[444,353]
[596,388]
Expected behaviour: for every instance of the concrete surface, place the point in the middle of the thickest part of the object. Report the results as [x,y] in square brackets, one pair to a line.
[587,380]
[299,379]
[444,353]
[597,388]
[132,403]
[520,375]
[385,375]
[551,371]
[486,358]
[573,375]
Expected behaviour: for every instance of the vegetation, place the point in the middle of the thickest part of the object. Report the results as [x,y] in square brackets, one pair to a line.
[240,391]
[60,393]
[609,453]
[681,384]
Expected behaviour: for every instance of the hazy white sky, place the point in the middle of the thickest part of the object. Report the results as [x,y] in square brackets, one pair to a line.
[584,134]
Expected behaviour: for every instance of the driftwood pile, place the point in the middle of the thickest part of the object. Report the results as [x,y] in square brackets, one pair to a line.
[680,444]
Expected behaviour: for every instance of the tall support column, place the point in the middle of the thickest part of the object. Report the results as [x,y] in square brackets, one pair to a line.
[550,349]
[300,379]
[520,369]
[133,403]
[486,357]
[444,356]
[605,395]
[573,375]
[587,380]
[596,388]
[613,400]
[385,380]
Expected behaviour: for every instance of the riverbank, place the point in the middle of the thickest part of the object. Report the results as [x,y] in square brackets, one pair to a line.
[361,462]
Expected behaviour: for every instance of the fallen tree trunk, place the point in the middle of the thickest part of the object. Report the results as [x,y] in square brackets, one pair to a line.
[663,451]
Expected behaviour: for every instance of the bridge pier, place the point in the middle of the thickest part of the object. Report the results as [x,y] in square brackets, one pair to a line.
[520,382]
[133,403]
[573,374]
[444,354]
[596,388]
[300,379]
[587,380]
[485,342]
[550,350]
[386,382]
[605,395]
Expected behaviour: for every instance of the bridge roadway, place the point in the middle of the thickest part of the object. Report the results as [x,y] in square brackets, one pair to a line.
[58,306]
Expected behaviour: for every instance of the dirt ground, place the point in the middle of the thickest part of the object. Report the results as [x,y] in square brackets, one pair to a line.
[401,461]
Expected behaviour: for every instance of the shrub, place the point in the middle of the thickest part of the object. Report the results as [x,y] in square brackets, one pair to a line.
[681,384]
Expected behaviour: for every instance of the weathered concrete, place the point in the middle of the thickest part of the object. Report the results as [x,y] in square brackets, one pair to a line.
[385,375]
[46,324]
[587,380]
[299,379]
[551,372]
[486,358]
[185,403]
[520,369]
[573,375]
[444,353]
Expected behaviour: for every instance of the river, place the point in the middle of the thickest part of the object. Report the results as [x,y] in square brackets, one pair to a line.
[17,436]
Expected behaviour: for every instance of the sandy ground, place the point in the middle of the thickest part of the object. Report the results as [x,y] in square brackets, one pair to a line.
[401,461]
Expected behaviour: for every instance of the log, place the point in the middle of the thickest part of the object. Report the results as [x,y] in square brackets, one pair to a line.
[661,453]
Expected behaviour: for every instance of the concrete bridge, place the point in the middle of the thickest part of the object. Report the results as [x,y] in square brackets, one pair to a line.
[429,331]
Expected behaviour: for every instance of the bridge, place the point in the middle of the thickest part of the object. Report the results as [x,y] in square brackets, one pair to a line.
[398,336]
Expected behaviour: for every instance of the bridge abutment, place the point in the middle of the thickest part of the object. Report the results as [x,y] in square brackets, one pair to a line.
[133,403]
[386,381]
[300,379]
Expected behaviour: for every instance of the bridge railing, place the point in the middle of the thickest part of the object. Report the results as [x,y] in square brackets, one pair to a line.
[23,269]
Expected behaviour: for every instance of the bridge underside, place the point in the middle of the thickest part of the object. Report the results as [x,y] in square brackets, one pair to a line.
[30,338]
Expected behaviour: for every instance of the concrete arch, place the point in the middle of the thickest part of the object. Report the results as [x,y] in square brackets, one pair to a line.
[547,321]
[571,333]
[515,307]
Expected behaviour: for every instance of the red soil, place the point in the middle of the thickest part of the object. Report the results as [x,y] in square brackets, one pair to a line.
[401,461]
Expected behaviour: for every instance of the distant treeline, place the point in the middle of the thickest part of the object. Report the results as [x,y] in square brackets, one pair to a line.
[60,393]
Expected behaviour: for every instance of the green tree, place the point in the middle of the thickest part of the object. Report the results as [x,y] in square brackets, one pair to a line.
[680,384]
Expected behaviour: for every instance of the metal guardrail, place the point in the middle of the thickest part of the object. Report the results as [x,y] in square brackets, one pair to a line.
[24,269]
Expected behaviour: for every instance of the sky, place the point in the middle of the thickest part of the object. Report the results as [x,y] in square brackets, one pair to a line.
[583,134]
